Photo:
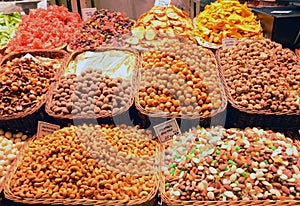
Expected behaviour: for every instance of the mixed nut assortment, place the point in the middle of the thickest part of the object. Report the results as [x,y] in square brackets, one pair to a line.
[25,82]
[179,78]
[62,166]
[101,28]
[90,94]
[10,146]
[231,164]
[261,75]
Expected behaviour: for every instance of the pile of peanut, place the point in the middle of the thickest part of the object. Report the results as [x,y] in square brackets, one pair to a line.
[10,145]
[231,164]
[261,75]
[80,162]
[179,78]
[90,93]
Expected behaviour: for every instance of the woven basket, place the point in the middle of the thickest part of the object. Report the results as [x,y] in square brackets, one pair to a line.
[148,201]
[69,118]
[172,202]
[28,119]
[147,118]
[2,184]
[241,117]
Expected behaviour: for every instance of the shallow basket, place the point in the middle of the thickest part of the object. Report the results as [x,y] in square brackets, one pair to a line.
[241,117]
[121,115]
[2,184]
[28,120]
[148,201]
[215,117]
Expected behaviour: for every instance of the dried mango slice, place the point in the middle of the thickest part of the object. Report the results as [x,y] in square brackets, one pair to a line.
[226,19]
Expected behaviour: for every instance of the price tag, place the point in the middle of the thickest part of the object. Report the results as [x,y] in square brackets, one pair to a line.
[162,3]
[45,128]
[87,13]
[42,4]
[228,42]
[165,131]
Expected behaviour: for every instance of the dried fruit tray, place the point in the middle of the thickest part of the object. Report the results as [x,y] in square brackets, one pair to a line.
[241,116]
[97,84]
[26,119]
[26,198]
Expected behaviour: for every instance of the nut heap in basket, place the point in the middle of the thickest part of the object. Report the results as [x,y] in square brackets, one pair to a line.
[79,163]
[179,78]
[218,164]
[25,82]
[262,76]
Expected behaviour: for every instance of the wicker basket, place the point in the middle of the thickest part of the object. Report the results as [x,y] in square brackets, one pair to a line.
[215,117]
[241,117]
[172,202]
[2,184]
[28,120]
[121,114]
[148,201]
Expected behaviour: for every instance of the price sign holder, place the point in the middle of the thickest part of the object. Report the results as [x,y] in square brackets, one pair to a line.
[166,130]
[45,128]
[162,3]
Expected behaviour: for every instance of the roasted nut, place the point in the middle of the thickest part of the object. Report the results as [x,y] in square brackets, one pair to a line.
[91,94]
[78,162]
[230,164]
[261,75]
[185,87]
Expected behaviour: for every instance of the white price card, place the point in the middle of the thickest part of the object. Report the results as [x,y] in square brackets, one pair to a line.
[45,128]
[228,42]
[42,4]
[87,13]
[162,3]
[166,130]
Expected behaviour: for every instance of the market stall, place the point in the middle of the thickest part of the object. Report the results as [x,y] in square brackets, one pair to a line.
[166,108]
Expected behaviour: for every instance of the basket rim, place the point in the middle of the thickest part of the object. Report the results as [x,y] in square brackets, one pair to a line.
[34,52]
[9,195]
[243,109]
[213,113]
[134,79]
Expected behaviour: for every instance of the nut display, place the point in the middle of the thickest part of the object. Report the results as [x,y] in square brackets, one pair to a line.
[226,19]
[101,28]
[170,20]
[220,164]
[24,83]
[10,145]
[261,75]
[61,166]
[179,78]
[90,93]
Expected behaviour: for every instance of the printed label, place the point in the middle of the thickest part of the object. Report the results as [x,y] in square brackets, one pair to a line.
[162,3]
[42,4]
[45,128]
[87,13]
[228,42]
[166,130]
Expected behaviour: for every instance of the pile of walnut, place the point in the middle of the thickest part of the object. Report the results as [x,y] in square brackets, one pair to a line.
[80,163]
[261,75]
